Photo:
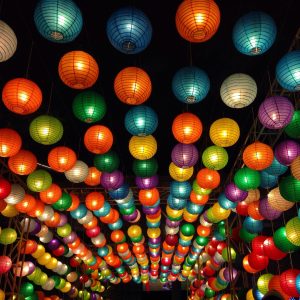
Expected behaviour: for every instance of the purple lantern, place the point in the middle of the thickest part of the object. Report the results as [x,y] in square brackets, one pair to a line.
[70,238]
[234,194]
[53,244]
[155,240]
[147,182]
[31,267]
[184,155]
[172,224]
[37,228]
[275,112]
[150,210]
[230,277]
[267,211]
[287,151]
[113,180]
[131,217]
[63,220]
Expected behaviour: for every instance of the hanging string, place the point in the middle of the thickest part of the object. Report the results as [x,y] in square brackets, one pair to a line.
[29,59]
[50,98]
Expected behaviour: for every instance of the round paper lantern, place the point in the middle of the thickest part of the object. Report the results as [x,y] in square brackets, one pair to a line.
[63,203]
[197,20]
[98,139]
[184,155]
[247,236]
[293,128]
[142,147]
[46,130]
[258,156]
[93,178]
[27,289]
[215,158]
[208,179]
[113,180]
[247,179]
[288,282]
[61,158]
[107,162]
[145,168]
[22,96]
[180,174]
[58,21]
[147,182]
[292,228]
[8,236]
[78,70]
[10,142]
[271,250]
[295,168]
[277,202]
[258,262]
[5,188]
[233,193]
[287,151]
[225,203]
[190,85]
[51,195]
[287,71]
[12,194]
[252,225]
[276,168]
[289,188]
[267,211]
[281,241]
[89,107]
[78,173]
[132,86]
[129,30]
[176,203]
[39,180]
[8,42]
[22,163]
[5,264]
[254,33]
[268,181]
[238,90]
[180,189]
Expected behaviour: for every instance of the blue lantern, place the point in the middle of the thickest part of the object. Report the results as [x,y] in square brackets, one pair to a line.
[193,208]
[129,30]
[254,33]
[180,189]
[117,225]
[268,181]
[176,203]
[141,120]
[276,168]
[120,193]
[79,212]
[226,203]
[58,21]
[288,71]
[190,85]
[252,225]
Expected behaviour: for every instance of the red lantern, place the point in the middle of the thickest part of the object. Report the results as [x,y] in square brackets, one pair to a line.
[258,262]
[274,285]
[5,264]
[258,245]
[271,250]
[93,232]
[5,188]
[242,208]
[51,195]
[38,209]
[247,266]
[117,236]
[94,200]
[59,251]
[28,247]
[23,163]
[208,179]
[288,282]
[10,142]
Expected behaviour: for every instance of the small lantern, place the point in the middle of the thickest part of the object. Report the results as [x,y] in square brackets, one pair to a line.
[142,147]
[180,174]
[145,168]
[61,158]
[184,155]
[10,142]
[8,42]
[22,163]
[208,179]
[107,162]
[39,181]
[78,173]
[215,158]
[94,177]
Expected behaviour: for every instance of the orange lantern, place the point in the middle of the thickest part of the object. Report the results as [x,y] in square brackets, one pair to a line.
[22,163]
[38,209]
[198,199]
[187,128]
[75,202]
[51,195]
[78,70]
[22,96]
[98,139]
[149,197]
[109,217]
[253,211]
[94,200]
[54,221]
[117,236]
[295,168]
[203,230]
[94,177]
[27,204]
[61,159]
[258,156]
[10,142]
[247,266]
[132,86]
[92,224]
[208,179]
[197,20]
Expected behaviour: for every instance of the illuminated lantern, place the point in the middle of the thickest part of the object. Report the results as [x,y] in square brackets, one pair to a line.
[107,162]
[197,20]
[198,199]
[281,241]
[145,168]
[289,188]
[78,70]
[253,211]
[8,236]
[295,168]
[267,180]
[233,193]
[5,264]
[276,168]
[287,151]
[89,107]
[208,179]
[132,86]
[22,163]
[46,130]
[215,157]
[149,197]
[187,128]
[8,42]
[180,189]
[225,203]
[5,188]
[61,158]
[292,228]
[22,96]
[267,211]
[113,180]
[293,128]
[247,179]
[142,147]
[252,225]
[180,174]
[271,250]
[39,181]
[147,182]
[51,195]
[277,202]
[12,194]
[258,262]
[93,178]
[63,203]
[10,142]
[238,90]
[254,33]
[258,156]
[184,155]
[176,203]
[253,195]
[94,200]
[287,71]
[129,30]
[288,282]
[78,173]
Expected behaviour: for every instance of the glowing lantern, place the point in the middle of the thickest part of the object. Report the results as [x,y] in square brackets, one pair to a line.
[276,168]
[78,70]
[197,20]
[113,180]
[293,231]
[78,173]
[287,151]
[247,179]
[254,33]
[180,174]
[215,158]
[8,236]
[22,96]
[180,189]
[293,128]
[295,167]
[148,197]
[12,194]
[187,128]
[289,188]
[10,142]
[22,163]
[98,139]
[281,241]
[267,211]
[39,181]
[238,90]
[208,179]
[184,155]
[107,162]
[51,195]
[288,282]
[233,193]
[93,178]
[142,147]
[5,264]
[8,42]
[277,202]
[61,158]
[145,168]
[263,283]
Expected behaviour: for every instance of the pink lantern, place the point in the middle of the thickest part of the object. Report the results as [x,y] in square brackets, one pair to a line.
[5,264]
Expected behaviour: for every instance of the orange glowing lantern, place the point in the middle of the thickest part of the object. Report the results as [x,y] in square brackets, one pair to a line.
[75,202]
[22,163]
[94,177]
[198,198]
[149,197]
[10,142]
[61,159]
[27,204]
[94,200]
[51,195]
[208,179]
[253,211]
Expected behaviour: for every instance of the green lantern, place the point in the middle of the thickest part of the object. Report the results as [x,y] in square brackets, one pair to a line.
[27,289]
[201,240]
[187,229]
[107,162]
[8,236]
[209,293]
[281,241]
[89,107]
[292,228]
[247,179]
[293,128]
[63,203]
[215,157]
[64,230]
[145,168]
[263,283]
[225,254]
[289,188]
[199,190]
[246,236]
[39,180]
[46,130]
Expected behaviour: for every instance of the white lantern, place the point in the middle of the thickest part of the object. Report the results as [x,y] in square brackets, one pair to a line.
[49,285]
[8,42]
[87,218]
[47,214]
[47,237]
[16,195]
[78,173]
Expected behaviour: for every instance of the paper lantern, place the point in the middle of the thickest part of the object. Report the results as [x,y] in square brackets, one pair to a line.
[247,179]
[295,167]
[287,71]
[180,189]
[22,163]
[180,174]
[276,168]
[51,195]
[8,42]
[287,151]
[129,30]
[271,250]
[233,193]
[292,228]
[93,178]
[268,181]
[197,20]
[89,107]
[11,194]
[145,168]
[107,162]
[132,86]
[208,179]
[281,241]
[238,90]
[293,128]
[176,203]
[147,182]
[267,211]
[225,203]
[252,225]
[142,147]
[58,21]
[288,282]
[258,262]
[46,130]
[149,197]
[113,180]
[78,70]
[215,157]
[254,33]
[258,156]
[78,173]
[277,201]
[289,188]
[184,155]
[8,236]
[39,180]
[5,264]
[10,142]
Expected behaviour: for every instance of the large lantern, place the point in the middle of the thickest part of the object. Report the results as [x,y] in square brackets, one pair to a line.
[94,177]
[22,163]
[46,130]
[293,128]
[39,181]
[254,33]
[287,71]
[289,188]
[61,158]
[51,195]
[233,193]
[8,42]
[276,168]
[277,202]
[107,162]
[10,142]
[142,147]
[215,158]
[78,70]
[184,155]
[129,30]
[287,151]
[190,85]
[238,90]
[78,173]
[180,174]
[145,168]
[132,86]
[197,20]
[288,282]
[292,228]
[208,179]
[247,179]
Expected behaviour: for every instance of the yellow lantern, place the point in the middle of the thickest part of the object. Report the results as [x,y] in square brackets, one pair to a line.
[173,213]
[44,259]
[153,233]
[39,251]
[142,147]
[10,211]
[180,174]
[277,202]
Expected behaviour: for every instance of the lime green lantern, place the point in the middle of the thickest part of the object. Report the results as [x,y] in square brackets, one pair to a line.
[199,190]
[215,158]
[39,180]
[247,179]
[292,228]
[225,254]
[263,283]
[107,162]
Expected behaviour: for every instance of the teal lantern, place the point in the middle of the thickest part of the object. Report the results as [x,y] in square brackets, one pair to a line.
[253,226]
[89,107]
[276,168]
[58,21]
[145,168]
[180,189]
[141,120]
[63,203]
[267,180]
[226,203]
[107,162]
[176,203]
[247,179]
[194,208]
[46,130]
[39,180]
[215,157]
[289,188]
[293,128]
